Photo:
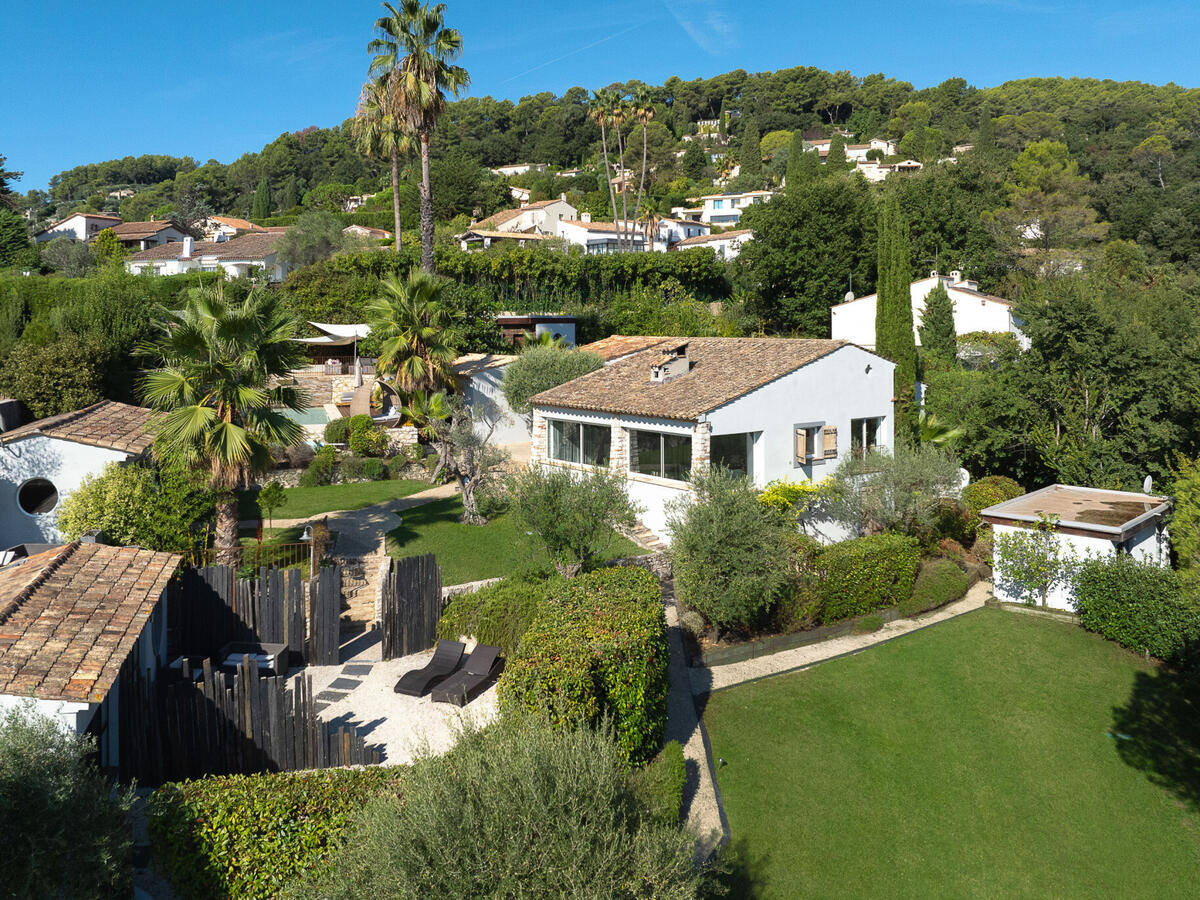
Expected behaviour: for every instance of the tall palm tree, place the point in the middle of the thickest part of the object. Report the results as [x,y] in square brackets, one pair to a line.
[600,111]
[379,134]
[219,384]
[414,53]
[619,115]
[649,220]
[641,106]
[418,333]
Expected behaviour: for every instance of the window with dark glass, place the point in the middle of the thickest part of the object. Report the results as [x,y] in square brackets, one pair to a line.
[577,442]
[732,452]
[864,435]
[661,455]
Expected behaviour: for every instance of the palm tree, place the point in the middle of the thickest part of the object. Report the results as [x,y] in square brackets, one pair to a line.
[418,333]
[379,134]
[219,384]
[600,110]
[618,115]
[642,108]
[649,220]
[414,52]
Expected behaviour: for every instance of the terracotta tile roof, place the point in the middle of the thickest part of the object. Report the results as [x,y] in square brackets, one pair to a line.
[116,426]
[495,220]
[617,345]
[239,224]
[70,617]
[507,235]
[474,363]
[134,230]
[256,245]
[709,238]
[631,228]
[722,369]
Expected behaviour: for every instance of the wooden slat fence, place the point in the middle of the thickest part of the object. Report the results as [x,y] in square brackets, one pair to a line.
[412,605]
[227,723]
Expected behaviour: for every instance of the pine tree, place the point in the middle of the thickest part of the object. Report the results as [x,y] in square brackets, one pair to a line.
[837,153]
[694,161]
[261,208]
[893,309]
[795,164]
[937,325]
[750,155]
[291,194]
[803,166]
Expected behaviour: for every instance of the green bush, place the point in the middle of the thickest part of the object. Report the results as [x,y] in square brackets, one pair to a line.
[246,836]
[365,438]
[866,574]
[336,430]
[597,649]
[939,582]
[540,368]
[498,614]
[661,782]
[363,468]
[320,470]
[518,809]
[979,495]
[1139,605]
[61,824]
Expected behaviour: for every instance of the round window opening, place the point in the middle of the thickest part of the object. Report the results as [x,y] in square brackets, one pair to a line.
[37,495]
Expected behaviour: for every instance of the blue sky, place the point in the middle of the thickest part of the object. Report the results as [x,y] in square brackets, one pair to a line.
[84,82]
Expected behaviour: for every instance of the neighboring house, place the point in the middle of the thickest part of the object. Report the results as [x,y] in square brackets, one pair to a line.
[45,461]
[672,231]
[74,621]
[520,194]
[479,376]
[1085,522]
[854,320]
[237,258]
[353,203]
[727,208]
[727,244]
[518,169]
[768,408]
[687,213]
[78,227]
[366,231]
[515,326]
[481,239]
[877,171]
[226,226]
[532,218]
[602,237]
[143,235]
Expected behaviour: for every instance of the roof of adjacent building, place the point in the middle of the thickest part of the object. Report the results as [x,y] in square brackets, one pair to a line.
[135,230]
[108,424]
[506,235]
[951,286]
[239,224]
[617,345]
[255,245]
[474,363]
[735,194]
[70,616]
[721,370]
[713,238]
[369,229]
[496,219]
[1109,513]
[630,228]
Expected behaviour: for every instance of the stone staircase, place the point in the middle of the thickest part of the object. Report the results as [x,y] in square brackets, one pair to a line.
[644,538]
[360,576]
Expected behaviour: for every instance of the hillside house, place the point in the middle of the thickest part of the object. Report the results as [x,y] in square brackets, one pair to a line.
[518,169]
[727,244]
[602,237]
[226,227]
[45,461]
[530,218]
[765,407]
[854,320]
[727,208]
[671,231]
[366,231]
[78,227]
[143,235]
[238,257]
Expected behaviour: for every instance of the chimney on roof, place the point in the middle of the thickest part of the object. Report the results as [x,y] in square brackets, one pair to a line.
[189,244]
[563,196]
[151,217]
[673,361]
[955,276]
[585,217]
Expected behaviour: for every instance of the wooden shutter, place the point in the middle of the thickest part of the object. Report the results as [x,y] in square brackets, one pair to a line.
[830,435]
[801,446]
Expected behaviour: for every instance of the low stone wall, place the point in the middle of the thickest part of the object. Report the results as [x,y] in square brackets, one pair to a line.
[657,564]
[404,436]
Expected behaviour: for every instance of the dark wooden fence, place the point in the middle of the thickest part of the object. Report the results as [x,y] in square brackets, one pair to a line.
[412,605]
[215,607]
[226,723]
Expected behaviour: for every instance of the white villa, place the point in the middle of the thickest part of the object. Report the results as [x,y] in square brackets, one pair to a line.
[43,462]
[602,237]
[366,231]
[726,209]
[1089,522]
[518,169]
[726,245]
[672,231]
[227,226]
[143,235]
[854,320]
[767,407]
[238,257]
[78,227]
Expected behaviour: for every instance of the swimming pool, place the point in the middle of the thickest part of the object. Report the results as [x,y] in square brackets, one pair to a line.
[314,415]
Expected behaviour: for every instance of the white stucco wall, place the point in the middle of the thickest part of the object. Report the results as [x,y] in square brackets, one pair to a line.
[483,395]
[74,717]
[64,463]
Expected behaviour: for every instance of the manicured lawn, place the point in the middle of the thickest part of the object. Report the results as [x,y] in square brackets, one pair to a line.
[311,501]
[993,755]
[472,552]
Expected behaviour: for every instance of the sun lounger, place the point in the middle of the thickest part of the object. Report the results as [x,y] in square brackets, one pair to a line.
[477,673]
[446,657]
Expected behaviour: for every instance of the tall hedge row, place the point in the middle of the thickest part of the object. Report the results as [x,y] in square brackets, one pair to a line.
[866,574]
[597,648]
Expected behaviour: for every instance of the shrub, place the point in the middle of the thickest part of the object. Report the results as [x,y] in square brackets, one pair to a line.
[788,499]
[596,649]
[299,455]
[515,810]
[660,784]
[337,430]
[498,614]
[939,582]
[365,438]
[540,368]
[62,825]
[902,493]
[320,470]
[363,468]
[979,495]
[866,574]
[1139,605]
[246,836]
[728,555]
[571,515]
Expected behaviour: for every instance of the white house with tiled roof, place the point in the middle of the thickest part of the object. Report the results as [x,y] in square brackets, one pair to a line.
[240,257]
[143,235]
[854,320]
[727,208]
[518,169]
[768,408]
[726,244]
[602,237]
[226,226]
[78,227]
[541,217]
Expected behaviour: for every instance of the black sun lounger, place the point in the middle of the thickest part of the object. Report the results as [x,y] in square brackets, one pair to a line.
[446,657]
[480,669]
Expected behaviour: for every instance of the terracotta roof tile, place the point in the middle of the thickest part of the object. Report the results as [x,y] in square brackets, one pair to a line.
[133,230]
[710,238]
[256,245]
[617,345]
[116,426]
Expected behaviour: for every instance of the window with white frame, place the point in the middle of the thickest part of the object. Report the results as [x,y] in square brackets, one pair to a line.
[661,455]
[864,435]
[579,442]
[814,442]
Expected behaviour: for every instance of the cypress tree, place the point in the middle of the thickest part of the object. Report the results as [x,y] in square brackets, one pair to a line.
[893,308]
[750,156]
[803,165]
[694,161]
[937,325]
[261,208]
[291,194]
[837,152]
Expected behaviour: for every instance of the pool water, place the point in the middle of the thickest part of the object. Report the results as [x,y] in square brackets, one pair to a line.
[314,415]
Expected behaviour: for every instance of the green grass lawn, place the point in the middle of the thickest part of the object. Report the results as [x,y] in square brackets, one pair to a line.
[303,502]
[976,758]
[473,552]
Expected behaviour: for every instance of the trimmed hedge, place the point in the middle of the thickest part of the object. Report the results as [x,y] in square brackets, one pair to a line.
[660,784]
[360,468]
[979,495]
[1139,605]
[865,574]
[336,430]
[939,582]
[246,836]
[498,614]
[598,648]
[365,438]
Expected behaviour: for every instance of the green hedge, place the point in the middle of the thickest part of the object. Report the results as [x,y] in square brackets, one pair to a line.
[660,783]
[939,582]
[1139,605]
[979,495]
[336,430]
[320,470]
[246,836]
[866,574]
[598,648]
[360,468]
[498,614]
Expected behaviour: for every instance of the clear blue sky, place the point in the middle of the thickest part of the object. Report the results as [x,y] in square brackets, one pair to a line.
[85,82]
